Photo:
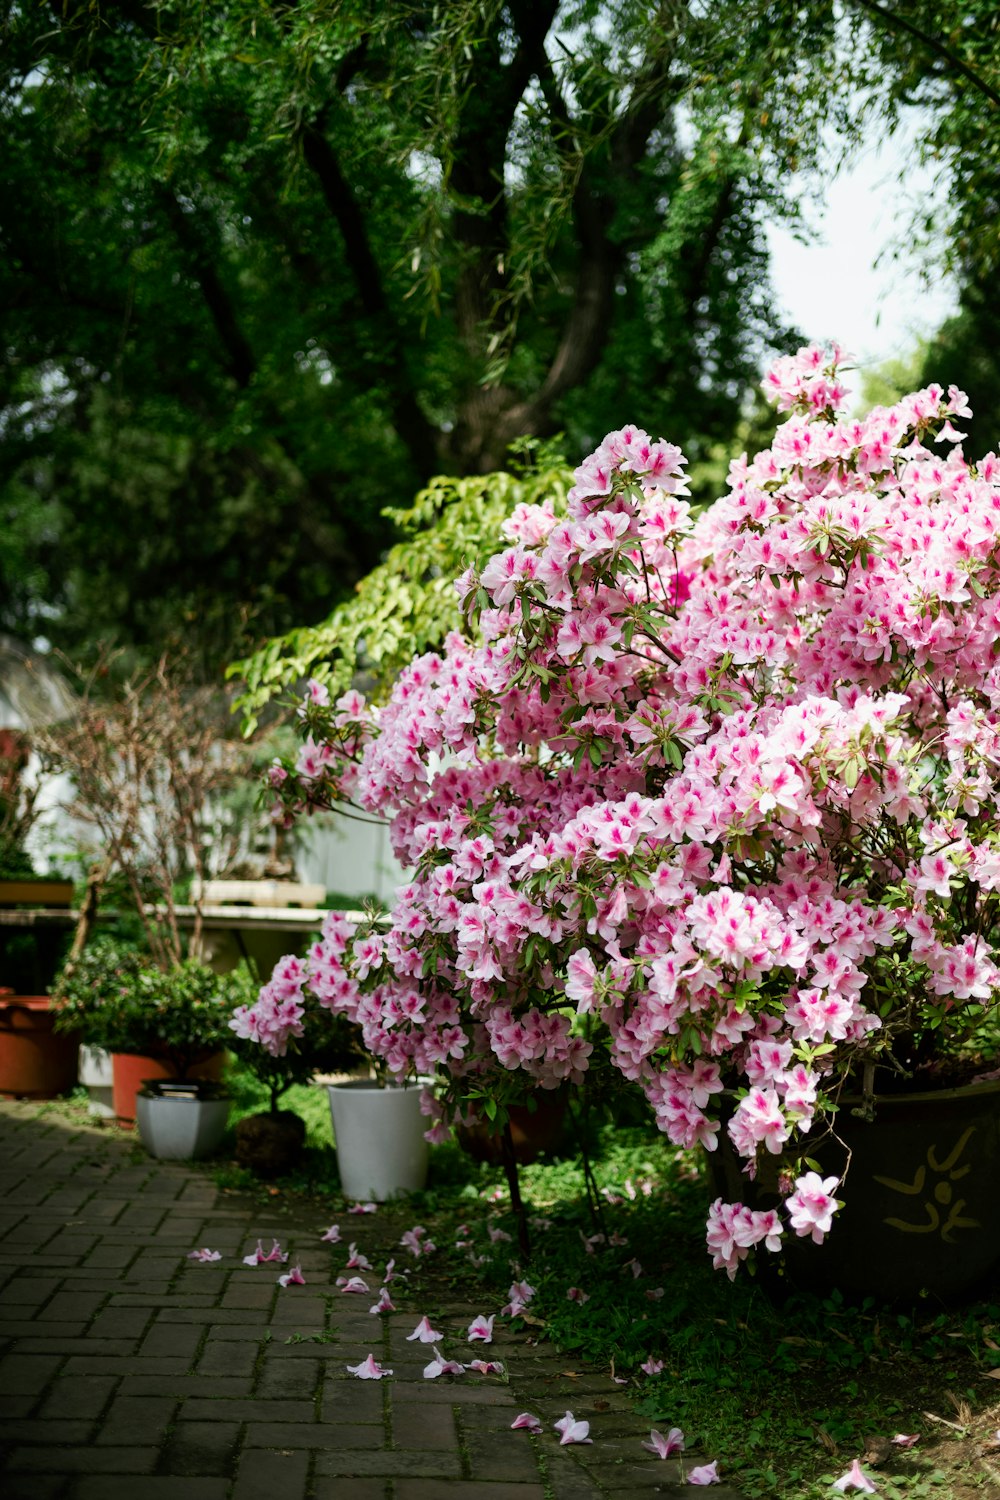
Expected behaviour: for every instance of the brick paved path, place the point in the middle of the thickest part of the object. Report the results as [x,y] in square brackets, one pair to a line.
[128,1372]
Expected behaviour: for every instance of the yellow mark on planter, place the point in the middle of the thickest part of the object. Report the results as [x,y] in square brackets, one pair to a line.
[942,1194]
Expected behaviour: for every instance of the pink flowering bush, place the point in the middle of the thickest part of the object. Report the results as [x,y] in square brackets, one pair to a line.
[712,798]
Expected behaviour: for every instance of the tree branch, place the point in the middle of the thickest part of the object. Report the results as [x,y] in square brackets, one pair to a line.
[193,241]
[894,18]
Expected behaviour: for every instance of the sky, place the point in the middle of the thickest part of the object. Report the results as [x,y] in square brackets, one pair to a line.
[847,286]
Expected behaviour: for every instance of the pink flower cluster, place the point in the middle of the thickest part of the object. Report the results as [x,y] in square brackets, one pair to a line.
[711,800]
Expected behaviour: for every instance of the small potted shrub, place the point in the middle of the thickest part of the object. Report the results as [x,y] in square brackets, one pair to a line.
[166,1030]
[271,1141]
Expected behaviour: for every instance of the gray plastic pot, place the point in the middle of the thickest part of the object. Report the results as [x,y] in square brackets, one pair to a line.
[181,1120]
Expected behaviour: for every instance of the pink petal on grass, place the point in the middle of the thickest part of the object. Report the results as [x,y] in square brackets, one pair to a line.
[294,1277]
[576,1294]
[369,1369]
[572,1431]
[527,1421]
[704,1474]
[204,1255]
[652,1366]
[424,1332]
[481,1328]
[665,1446]
[855,1479]
[906,1439]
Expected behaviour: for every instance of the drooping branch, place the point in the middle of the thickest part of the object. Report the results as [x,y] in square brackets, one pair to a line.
[193,240]
[410,422]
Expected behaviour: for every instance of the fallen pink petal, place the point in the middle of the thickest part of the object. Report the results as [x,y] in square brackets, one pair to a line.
[485,1366]
[497,1236]
[369,1369]
[652,1366]
[204,1255]
[384,1304]
[906,1439]
[481,1328]
[572,1431]
[262,1257]
[331,1235]
[424,1332]
[390,1273]
[526,1421]
[353,1284]
[363,1208]
[855,1479]
[441,1366]
[355,1260]
[665,1446]
[294,1277]
[576,1294]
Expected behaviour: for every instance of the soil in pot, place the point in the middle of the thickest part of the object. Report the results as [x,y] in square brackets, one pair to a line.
[270,1144]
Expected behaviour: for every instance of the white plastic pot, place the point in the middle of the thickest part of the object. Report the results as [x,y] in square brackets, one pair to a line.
[180,1121]
[96,1077]
[379,1135]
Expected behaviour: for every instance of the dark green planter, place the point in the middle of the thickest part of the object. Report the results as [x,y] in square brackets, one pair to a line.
[921,1200]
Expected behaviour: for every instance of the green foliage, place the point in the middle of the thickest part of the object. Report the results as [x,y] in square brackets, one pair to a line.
[328,1044]
[408,604]
[119,999]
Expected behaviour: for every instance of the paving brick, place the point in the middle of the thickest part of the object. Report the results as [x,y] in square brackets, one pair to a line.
[202,1409]
[183,1385]
[494,1453]
[70,1397]
[242,1295]
[419,1427]
[298,1378]
[83,1460]
[27,1374]
[171,1341]
[201,1448]
[351,1489]
[263,1475]
[131,1420]
[362,1463]
[436,1489]
[229,1359]
[35,1486]
[313,1435]
[27,1291]
[120,1323]
[86,1364]
[52,1432]
[154,1487]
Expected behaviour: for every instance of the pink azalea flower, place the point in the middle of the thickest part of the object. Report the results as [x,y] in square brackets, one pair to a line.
[356,1261]
[384,1303]
[652,1366]
[332,1235]
[204,1255]
[572,1431]
[424,1332]
[363,1208]
[262,1257]
[854,1479]
[441,1366]
[486,1366]
[497,1236]
[906,1439]
[575,1294]
[481,1328]
[665,1446]
[294,1277]
[369,1369]
[526,1421]
[353,1284]
[704,1474]
[415,1241]
[654,1293]
[390,1273]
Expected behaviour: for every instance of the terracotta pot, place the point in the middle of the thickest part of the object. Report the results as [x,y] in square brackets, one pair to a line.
[921,1209]
[534,1132]
[35,1062]
[131,1070]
